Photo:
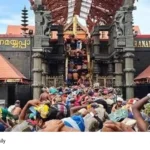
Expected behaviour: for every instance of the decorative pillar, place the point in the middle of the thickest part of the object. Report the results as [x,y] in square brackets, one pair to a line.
[110,68]
[60,40]
[96,44]
[129,74]
[96,69]
[123,22]
[61,68]
[47,75]
[37,50]
[96,49]
[129,49]
[37,74]
[44,72]
[118,73]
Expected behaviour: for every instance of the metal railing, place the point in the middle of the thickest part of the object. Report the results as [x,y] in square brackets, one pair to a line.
[105,81]
[55,81]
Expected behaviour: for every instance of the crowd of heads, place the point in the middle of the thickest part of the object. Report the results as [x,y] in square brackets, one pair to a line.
[78,71]
[80,106]
[77,109]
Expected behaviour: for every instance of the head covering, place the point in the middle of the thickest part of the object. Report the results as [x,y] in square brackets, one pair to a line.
[17,101]
[43,110]
[109,101]
[96,86]
[119,99]
[44,89]
[53,90]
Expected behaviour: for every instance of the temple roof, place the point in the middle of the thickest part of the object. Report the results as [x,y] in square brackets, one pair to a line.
[9,72]
[15,31]
[144,75]
[75,24]
[93,11]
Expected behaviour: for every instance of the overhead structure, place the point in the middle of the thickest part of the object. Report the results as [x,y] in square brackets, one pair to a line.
[113,16]
[93,11]
[8,72]
[144,76]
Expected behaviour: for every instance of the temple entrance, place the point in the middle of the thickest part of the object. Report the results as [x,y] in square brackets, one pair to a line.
[77,69]
[115,30]
[11,95]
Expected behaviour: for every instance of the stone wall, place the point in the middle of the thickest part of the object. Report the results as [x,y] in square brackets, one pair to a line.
[141,61]
[22,93]
[11,92]
[4,92]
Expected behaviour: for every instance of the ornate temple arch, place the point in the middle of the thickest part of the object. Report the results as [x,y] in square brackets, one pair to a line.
[113,16]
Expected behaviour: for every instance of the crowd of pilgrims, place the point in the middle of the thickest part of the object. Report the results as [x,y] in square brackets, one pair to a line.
[77,109]
[77,62]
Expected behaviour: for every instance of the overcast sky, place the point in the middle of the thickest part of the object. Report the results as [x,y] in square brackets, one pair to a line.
[10,14]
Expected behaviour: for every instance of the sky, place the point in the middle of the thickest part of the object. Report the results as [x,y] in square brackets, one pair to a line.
[10,14]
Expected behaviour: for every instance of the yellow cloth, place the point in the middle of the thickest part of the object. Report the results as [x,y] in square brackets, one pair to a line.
[43,110]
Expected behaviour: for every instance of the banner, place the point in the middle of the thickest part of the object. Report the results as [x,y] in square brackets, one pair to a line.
[9,44]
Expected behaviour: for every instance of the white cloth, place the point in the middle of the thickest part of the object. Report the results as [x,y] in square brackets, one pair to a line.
[71,122]
[109,101]
[11,108]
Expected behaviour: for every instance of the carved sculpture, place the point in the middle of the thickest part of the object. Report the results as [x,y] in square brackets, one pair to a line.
[119,23]
[96,29]
[128,3]
[47,20]
[36,5]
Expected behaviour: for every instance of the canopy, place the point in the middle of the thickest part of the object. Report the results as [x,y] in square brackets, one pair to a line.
[93,11]
[144,75]
[8,73]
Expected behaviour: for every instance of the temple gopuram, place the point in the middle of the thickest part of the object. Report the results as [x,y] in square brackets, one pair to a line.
[114,50]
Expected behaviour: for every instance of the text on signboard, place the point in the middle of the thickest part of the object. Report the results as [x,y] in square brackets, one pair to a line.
[15,43]
[142,43]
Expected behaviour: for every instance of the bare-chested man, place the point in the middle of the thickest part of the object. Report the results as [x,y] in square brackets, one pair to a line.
[45,95]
